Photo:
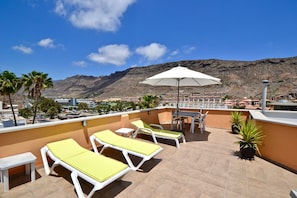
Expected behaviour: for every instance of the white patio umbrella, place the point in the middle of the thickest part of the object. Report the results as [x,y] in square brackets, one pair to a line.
[181,76]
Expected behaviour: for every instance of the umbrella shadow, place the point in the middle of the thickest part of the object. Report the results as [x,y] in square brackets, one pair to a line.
[191,137]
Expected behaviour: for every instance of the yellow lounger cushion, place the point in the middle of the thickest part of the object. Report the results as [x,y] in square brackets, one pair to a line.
[111,138]
[162,132]
[166,133]
[95,166]
[65,148]
[139,123]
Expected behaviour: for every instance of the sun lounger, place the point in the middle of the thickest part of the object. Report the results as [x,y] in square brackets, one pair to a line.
[157,132]
[95,169]
[127,146]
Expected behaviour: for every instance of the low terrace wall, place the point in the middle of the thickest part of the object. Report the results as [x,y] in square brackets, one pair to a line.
[280,142]
[279,145]
[30,138]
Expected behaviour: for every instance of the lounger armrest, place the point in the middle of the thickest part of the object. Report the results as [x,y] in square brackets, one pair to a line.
[157,126]
[146,130]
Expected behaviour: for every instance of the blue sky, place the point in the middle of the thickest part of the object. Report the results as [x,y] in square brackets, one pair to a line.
[98,37]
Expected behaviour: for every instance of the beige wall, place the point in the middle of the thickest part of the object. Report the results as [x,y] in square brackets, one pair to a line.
[215,118]
[280,143]
[221,119]
[31,140]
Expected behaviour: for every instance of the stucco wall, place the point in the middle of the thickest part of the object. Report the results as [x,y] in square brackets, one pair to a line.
[31,138]
[280,143]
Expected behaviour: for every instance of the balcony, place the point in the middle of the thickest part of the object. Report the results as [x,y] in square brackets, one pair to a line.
[208,165]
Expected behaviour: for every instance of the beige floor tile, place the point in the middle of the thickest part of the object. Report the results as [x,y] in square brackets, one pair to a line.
[238,186]
[213,191]
[206,166]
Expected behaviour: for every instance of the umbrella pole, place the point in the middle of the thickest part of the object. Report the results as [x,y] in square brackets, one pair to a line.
[177,105]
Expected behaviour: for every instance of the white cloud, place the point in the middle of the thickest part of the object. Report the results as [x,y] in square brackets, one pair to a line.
[174,53]
[59,9]
[152,52]
[188,49]
[112,54]
[80,63]
[25,50]
[93,14]
[48,43]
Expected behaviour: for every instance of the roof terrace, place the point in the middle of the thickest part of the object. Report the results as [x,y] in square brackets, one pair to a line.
[208,165]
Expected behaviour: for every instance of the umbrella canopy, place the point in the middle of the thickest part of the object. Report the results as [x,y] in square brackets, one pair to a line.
[181,76]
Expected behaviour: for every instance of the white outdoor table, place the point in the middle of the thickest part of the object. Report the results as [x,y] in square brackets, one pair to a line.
[125,131]
[6,163]
[191,114]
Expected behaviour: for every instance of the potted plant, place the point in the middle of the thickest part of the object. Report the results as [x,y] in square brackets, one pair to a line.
[236,121]
[250,137]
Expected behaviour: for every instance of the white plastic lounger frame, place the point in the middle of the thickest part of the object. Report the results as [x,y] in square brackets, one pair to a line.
[75,173]
[155,135]
[148,131]
[124,151]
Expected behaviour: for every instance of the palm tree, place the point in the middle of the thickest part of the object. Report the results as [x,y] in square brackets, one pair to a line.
[34,83]
[10,84]
[149,101]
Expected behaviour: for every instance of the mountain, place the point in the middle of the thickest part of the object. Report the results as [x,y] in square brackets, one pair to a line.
[239,79]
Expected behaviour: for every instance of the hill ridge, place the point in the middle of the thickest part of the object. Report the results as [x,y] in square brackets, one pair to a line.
[239,79]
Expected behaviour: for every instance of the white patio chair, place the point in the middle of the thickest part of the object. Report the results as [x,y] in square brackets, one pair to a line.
[201,122]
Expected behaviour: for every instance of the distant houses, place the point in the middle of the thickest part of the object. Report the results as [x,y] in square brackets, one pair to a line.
[71,103]
[187,100]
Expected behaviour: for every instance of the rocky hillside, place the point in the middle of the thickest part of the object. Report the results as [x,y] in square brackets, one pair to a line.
[239,79]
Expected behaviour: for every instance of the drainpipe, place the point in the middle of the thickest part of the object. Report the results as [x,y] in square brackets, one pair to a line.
[264,96]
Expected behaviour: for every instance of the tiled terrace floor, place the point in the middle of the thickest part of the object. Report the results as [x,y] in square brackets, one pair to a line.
[206,166]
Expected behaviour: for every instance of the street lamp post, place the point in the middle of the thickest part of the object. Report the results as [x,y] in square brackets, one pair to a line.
[264,95]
